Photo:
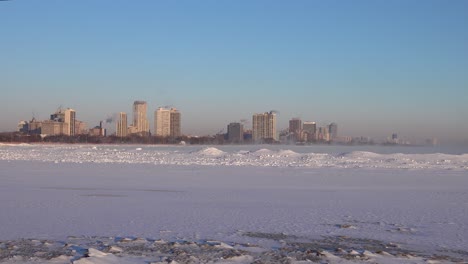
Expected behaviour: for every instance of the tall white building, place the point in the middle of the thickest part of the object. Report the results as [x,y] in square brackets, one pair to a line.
[140,121]
[264,127]
[167,122]
[162,122]
[121,129]
[70,118]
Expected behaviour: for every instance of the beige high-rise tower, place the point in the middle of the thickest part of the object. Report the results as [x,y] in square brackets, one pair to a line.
[167,122]
[140,121]
[121,129]
[70,116]
[162,122]
[264,126]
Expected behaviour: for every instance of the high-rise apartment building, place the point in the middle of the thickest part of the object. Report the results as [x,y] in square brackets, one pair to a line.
[162,122]
[69,119]
[121,129]
[235,132]
[310,130]
[140,121]
[323,134]
[264,127]
[167,122]
[309,127]
[175,123]
[333,131]
[295,128]
[295,125]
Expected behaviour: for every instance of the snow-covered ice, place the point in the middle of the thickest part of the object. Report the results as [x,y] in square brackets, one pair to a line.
[96,204]
[306,157]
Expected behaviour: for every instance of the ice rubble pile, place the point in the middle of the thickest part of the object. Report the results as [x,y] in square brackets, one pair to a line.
[212,156]
[107,250]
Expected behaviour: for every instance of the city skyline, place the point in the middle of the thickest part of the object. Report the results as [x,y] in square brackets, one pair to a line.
[373,67]
[167,129]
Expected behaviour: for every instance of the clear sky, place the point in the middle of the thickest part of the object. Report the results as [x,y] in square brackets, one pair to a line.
[374,67]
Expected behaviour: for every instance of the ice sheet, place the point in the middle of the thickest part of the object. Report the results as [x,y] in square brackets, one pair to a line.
[275,204]
[233,156]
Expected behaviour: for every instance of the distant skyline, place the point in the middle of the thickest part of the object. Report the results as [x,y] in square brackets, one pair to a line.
[373,67]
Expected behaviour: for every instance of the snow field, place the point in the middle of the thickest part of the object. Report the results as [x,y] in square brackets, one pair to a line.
[211,156]
[83,210]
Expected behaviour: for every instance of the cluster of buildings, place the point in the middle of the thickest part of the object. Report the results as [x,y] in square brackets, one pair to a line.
[264,131]
[62,122]
[167,122]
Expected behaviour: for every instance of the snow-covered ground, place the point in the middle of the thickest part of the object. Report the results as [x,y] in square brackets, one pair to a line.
[275,156]
[140,204]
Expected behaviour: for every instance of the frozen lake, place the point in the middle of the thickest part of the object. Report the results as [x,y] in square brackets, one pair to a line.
[413,198]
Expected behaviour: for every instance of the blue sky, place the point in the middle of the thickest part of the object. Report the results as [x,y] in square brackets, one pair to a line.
[373,67]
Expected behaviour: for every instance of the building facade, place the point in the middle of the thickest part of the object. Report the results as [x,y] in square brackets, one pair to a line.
[176,119]
[162,122]
[295,129]
[140,121]
[69,119]
[81,128]
[53,128]
[121,126]
[323,134]
[235,133]
[264,127]
[333,130]
[310,130]
[167,122]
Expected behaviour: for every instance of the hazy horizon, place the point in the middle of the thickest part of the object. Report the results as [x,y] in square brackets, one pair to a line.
[373,67]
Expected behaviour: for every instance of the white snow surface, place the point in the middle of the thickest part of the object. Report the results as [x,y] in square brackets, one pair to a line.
[235,195]
[234,156]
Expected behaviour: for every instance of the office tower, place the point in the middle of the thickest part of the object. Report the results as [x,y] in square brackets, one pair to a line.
[167,122]
[264,126]
[333,131]
[69,120]
[121,129]
[295,128]
[310,129]
[162,122]
[235,132]
[175,123]
[323,134]
[295,125]
[140,121]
